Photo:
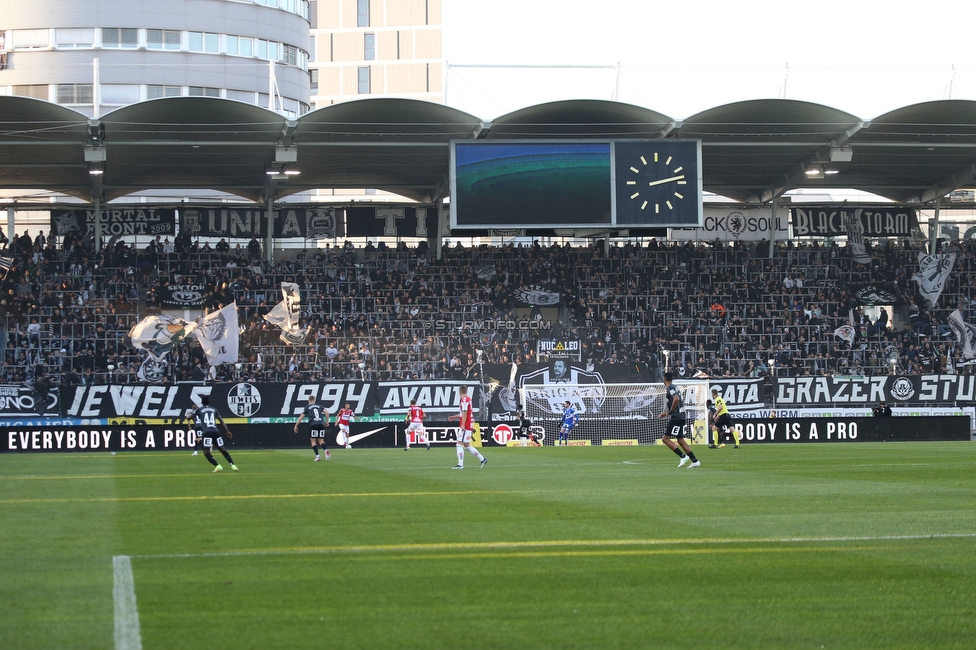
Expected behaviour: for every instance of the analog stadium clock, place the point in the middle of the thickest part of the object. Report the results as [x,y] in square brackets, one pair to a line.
[658,182]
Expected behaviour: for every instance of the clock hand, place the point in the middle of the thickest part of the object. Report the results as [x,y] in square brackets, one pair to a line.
[666,180]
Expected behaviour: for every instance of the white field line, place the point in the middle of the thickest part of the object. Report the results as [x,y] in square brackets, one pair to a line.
[127,636]
[597,543]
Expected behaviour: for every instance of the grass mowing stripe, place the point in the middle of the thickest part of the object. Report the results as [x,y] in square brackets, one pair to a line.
[236,497]
[127,635]
[477,546]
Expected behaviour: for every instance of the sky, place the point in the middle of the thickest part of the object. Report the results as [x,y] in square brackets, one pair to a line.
[679,58]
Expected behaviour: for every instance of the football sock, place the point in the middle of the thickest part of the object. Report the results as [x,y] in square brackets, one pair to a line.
[691,455]
[735,436]
[315,448]
[477,454]
[227,456]
[715,437]
[678,451]
[210,457]
[460,454]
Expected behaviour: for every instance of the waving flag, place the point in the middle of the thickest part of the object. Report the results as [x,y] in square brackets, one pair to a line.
[933,271]
[219,335]
[286,314]
[965,335]
[845,333]
[158,334]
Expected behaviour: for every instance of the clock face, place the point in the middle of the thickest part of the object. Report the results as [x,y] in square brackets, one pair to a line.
[658,182]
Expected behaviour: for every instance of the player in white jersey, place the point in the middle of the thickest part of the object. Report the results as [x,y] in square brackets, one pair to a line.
[465,420]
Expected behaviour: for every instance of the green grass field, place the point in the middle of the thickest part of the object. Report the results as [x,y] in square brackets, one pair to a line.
[802,546]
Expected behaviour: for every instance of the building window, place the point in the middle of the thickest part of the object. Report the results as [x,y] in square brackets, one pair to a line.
[203,42]
[246,96]
[37,91]
[262,49]
[155,92]
[74,38]
[289,54]
[314,83]
[74,93]
[119,94]
[369,47]
[231,45]
[362,13]
[364,80]
[202,91]
[120,37]
[29,39]
[162,39]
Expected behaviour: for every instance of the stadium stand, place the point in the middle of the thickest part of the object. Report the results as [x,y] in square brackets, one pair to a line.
[722,309]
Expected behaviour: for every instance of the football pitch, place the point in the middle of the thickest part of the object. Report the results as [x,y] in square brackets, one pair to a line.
[777,546]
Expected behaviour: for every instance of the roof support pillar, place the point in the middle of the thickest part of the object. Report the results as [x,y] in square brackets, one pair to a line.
[98,223]
[269,242]
[772,227]
[10,221]
[934,227]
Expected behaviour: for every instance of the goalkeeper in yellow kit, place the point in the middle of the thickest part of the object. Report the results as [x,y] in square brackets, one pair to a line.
[723,421]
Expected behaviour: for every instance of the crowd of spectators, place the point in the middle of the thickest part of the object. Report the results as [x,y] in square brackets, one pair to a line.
[375,312]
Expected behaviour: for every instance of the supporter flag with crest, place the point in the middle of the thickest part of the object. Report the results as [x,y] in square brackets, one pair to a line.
[933,271]
[286,315]
[219,335]
[965,336]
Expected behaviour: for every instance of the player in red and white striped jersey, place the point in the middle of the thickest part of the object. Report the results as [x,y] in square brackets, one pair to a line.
[343,418]
[415,416]
[465,418]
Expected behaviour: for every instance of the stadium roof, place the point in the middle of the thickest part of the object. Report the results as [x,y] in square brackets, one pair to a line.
[752,150]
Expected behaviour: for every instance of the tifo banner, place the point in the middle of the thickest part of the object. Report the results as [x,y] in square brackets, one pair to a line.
[219,335]
[388,221]
[182,296]
[831,221]
[868,391]
[741,393]
[117,221]
[853,429]
[735,224]
[240,400]
[505,399]
[245,222]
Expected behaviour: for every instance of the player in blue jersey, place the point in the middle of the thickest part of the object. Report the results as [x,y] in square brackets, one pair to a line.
[570,418]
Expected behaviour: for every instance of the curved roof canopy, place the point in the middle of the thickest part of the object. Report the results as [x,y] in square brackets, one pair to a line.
[752,150]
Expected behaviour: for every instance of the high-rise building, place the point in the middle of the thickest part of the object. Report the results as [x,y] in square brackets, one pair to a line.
[96,55]
[376,48]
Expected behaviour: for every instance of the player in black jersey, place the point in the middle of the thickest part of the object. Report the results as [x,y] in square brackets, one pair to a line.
[205,419]
[318,420]
[675,413]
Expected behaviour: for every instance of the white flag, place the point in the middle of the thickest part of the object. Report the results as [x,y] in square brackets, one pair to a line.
[964,334]
[158,334]
[855,237]
[845,333]
[933,271]
[219,335]
[286,314]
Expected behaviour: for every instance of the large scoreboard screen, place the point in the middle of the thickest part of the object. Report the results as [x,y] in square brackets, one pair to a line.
[530,184]
[591,184]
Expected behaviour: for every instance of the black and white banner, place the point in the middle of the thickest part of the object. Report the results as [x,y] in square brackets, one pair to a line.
[933,271]
[439,398]
[116,221]
[241,400]
[245,222]
[182,296]
[390,221]
[868,391]
[537,295]
[875,294]
[965,334]
[741,393]
[853,429]
[831,221]
[19,400]
[735,224]
[855,238]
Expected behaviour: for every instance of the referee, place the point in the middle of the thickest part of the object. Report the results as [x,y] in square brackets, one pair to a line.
[723,421]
